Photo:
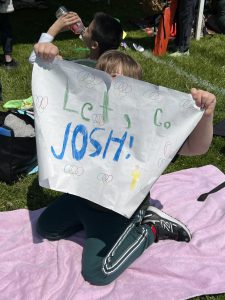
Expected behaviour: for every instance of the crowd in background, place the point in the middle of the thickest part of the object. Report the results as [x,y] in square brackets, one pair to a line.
[185,17]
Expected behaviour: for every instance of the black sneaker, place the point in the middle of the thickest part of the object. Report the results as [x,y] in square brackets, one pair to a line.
[10,65]
[166,226]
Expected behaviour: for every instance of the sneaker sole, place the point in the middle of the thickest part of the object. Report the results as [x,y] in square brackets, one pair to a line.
[168,217]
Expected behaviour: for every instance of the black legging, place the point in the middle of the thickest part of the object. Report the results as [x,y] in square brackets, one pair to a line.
[6,33]
[220,14]
[112,241]
[184,16]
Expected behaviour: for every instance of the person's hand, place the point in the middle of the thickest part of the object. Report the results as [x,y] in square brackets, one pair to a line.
[63,23]
[46,51]
[204,100]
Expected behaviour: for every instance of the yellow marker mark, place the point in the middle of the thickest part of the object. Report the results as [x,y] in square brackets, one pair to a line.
[135,178]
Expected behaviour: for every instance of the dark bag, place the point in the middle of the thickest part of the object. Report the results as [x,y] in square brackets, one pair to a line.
[164,28]
[18,155]
[219,129]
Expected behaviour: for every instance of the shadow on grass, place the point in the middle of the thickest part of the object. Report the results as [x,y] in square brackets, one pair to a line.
[222,150]
[37,199]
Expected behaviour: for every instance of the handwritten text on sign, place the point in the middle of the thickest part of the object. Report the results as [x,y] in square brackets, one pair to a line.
[106,140]
[82,131]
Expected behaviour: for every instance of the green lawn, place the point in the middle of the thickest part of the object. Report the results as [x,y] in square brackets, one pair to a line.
[205,69]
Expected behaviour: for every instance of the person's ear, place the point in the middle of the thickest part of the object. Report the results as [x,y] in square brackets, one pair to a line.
[94,45]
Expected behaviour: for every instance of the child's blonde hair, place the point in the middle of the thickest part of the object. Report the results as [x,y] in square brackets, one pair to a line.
[113,60]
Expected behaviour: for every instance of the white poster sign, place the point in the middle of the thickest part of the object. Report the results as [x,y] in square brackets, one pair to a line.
[103,139]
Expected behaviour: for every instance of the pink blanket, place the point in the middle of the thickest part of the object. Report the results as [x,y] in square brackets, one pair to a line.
[32,269]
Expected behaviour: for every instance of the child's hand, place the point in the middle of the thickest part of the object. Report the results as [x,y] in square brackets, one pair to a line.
[63,23]
[205,100]
[47,51]
[200,139]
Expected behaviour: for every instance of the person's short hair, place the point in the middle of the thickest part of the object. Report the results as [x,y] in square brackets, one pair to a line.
[107,31]
[112,60]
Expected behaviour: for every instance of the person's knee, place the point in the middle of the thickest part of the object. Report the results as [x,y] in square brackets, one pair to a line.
[45,232]
[97,271]
[96,276]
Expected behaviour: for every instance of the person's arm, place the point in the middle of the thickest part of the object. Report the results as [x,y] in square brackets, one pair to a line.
[44,38]
[63,23]
[200,139]
[50,51]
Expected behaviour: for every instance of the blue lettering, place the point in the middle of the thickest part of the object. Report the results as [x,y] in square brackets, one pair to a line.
[95,143]
[81,137]
[117,140]
[79,154]
[65,140]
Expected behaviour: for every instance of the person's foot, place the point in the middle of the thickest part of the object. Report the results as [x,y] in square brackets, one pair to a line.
[167,228]
[178,53]
[10,64]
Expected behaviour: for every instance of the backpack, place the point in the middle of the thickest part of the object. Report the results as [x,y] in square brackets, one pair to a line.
[219,129]
[164,29]
[18,154]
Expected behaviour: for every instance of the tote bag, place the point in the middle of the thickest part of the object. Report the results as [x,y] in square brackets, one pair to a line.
[17,154]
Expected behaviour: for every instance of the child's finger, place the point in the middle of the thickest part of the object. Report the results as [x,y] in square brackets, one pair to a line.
[196,95]
[193,90]
[208,103]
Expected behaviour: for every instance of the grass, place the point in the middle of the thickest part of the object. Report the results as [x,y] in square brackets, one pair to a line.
[205,69]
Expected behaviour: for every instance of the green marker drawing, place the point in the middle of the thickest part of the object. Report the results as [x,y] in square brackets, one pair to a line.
[155,117]
[66,97]
[106,107]
[127,118]
[166,125]
[89,107]
[66,94]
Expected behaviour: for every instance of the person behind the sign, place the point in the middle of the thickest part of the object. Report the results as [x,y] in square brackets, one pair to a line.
[113,241]
[216,21]
[6,8]
[103,33]
[184,18]
[115,63]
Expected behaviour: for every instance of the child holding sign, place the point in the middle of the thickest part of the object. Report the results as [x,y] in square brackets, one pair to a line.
[116,63]
[113,241]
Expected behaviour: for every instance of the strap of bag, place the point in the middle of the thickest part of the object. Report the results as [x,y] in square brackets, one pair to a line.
[202,197]
[164,27]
